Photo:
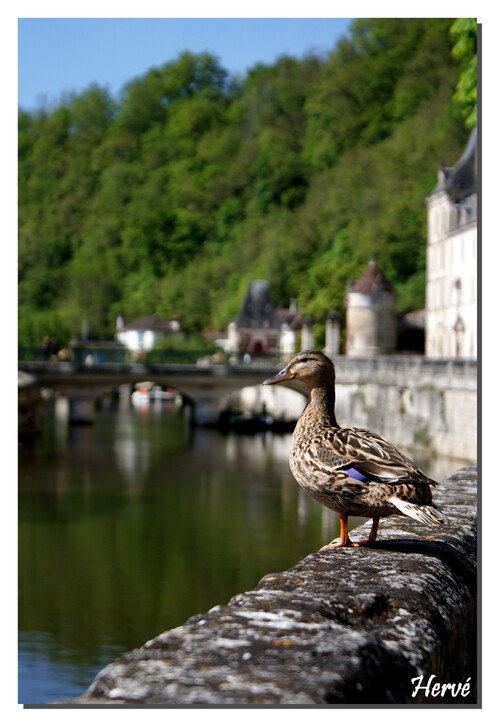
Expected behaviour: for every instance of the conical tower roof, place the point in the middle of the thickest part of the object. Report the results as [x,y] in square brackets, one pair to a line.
[372,281]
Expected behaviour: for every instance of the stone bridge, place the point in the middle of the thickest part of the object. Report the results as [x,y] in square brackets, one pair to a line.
[202,386]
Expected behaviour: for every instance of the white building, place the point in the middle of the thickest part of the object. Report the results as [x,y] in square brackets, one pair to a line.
[451,292]
[144,333]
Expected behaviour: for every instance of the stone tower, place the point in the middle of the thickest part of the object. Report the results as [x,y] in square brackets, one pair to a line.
[371,315]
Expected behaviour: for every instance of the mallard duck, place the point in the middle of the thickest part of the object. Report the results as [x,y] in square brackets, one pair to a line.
[352,471]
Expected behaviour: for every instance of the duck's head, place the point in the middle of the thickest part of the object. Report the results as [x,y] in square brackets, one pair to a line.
[313,368]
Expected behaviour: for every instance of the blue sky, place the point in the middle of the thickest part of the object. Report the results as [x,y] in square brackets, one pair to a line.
[58,55]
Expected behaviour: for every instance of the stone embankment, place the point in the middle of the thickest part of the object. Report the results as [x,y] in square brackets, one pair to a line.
[391,624]
[423,405]
[29,404]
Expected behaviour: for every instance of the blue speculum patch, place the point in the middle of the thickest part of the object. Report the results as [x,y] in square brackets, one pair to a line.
[353,472]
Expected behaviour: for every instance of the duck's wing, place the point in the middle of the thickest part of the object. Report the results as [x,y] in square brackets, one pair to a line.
[367,456]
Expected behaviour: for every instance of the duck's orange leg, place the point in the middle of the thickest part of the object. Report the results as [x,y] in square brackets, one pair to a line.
[373,533]
[345,542]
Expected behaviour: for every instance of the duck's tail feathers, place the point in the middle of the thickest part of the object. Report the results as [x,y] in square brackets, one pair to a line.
[427,514]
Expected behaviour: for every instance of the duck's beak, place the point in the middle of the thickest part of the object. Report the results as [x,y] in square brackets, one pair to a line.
[283,375]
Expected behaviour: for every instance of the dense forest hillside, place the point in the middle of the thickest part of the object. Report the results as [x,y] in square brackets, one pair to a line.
[171,198]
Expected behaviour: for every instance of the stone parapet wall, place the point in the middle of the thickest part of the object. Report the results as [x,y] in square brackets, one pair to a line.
[420,404]
[351,626]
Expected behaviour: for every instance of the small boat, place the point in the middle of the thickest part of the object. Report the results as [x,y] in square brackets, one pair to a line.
[148,393]
[252,423]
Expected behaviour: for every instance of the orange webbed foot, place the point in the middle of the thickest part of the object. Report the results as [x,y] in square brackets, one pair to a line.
[345,542]
[338,543]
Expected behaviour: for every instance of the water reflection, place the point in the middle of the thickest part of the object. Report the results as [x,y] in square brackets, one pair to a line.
[128,527]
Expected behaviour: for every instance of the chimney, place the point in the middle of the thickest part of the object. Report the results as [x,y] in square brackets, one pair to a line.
[307,334]
[332,335]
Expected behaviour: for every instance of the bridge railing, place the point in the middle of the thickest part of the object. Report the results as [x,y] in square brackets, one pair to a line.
[110,354]
[100,353]
[79,354]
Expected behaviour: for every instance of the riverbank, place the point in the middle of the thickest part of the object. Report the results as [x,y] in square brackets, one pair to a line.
[381,625]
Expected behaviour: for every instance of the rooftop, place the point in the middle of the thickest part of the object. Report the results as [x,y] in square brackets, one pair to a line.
[372,281]
[460,181]
[152,323]
[258,310]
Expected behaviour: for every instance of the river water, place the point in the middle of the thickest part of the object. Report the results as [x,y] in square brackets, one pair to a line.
[130,526]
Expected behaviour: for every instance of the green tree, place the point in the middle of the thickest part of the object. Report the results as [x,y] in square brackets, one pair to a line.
[172,197]
[464,32]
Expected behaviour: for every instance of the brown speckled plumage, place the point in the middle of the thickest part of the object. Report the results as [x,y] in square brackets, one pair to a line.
[352,471]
